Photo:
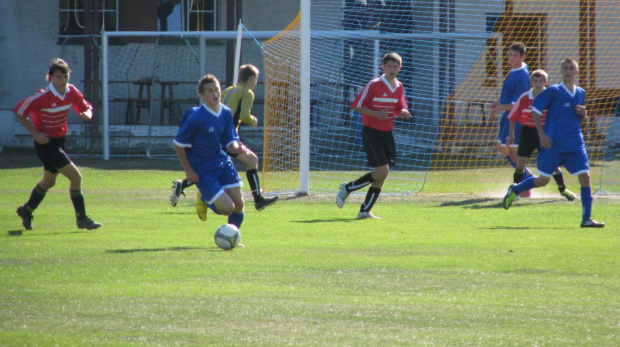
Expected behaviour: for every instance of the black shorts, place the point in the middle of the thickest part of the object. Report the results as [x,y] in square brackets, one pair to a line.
[52,154]
[528,142]
[380,147]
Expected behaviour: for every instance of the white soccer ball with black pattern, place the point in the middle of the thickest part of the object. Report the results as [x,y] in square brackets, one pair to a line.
[227,236]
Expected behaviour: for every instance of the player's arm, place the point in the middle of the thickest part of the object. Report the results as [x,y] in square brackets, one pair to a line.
[545,141]
[191,175]
[514,116]
[245,116]
[582,112]
[40,138]
[382,114]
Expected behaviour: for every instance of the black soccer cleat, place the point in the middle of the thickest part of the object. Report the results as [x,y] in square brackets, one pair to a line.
[260,205]
[26,217]
[87,223]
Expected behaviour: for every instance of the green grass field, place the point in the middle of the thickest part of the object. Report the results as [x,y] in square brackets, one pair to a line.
[437,270]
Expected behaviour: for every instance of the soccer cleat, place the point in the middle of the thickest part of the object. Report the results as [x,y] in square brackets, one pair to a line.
[591,223]
[342,195]
[26,217]
[87,223]
[366,215]
[509,198]
[570,196]
[260,205]
[177,190]
[525,194]
[201,208]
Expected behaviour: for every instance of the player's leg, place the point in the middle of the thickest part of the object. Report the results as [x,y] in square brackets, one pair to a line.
[75,192]
[251,161]
[384,158]
[36,196]
[577,164]
[237,215]
[347,187]
[558,176]
[548,161]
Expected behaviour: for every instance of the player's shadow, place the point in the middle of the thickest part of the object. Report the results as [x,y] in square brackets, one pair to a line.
[137,250]
[466,202]
[15,232]
[21,233]
[331,220]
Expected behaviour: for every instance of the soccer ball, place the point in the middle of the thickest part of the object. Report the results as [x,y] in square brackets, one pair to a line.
[227,236]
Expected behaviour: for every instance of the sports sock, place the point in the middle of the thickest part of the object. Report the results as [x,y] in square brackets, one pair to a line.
[252,176]
[371,198]
[526,184]
[78,203]
[518,176]
[236,219]
[586,203]
[559,179]
[510,161]
[186,184]
[360,182]
[527,173]
[36,197]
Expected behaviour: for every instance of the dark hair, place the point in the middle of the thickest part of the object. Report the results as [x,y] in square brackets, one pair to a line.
[57,64]
[518,47]
[392,56]
[569,60]
[246,71]
[206,79]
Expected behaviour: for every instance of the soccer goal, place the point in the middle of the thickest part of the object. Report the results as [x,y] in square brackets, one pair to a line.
[150,78]
[454,63]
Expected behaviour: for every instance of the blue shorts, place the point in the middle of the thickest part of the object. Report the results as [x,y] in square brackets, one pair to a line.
[550,159]
[504,127]
[212,184]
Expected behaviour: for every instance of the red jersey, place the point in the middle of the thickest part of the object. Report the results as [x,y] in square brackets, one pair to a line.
[522,111]
[50,110]
[379,95]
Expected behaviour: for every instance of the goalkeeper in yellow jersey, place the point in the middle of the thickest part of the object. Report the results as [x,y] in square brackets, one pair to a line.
[240,98]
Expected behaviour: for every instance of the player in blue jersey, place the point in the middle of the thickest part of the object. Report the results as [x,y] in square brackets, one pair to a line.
[198,145]
[561,139]
[516,83]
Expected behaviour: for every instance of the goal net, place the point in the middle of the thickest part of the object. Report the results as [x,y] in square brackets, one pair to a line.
[454,63]
[150,78]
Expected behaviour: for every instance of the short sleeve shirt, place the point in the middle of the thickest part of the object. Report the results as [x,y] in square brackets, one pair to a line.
[516,83]
[380,95]
[203,132]
[522,111]
[50,110]
[563,122]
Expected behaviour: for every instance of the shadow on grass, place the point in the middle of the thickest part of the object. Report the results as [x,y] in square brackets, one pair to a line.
[467,202]
[21,233]
[136,250]
[15,232]
[325,220]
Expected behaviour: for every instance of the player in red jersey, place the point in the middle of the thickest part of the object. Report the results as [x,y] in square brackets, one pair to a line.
[380,102]
[528,139]
[49,109]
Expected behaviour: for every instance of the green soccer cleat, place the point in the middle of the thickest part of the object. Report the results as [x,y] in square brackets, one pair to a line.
[201,208]
[591,223]
[570,196]
[509,198]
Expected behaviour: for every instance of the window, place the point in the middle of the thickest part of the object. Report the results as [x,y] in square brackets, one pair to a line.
[188,15]
[72,16]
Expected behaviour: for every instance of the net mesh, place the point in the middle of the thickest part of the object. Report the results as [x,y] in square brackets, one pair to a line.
[454,63]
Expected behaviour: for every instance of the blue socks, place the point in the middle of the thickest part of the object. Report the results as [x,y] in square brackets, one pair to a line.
[586,203]
[236,219]
[526,184]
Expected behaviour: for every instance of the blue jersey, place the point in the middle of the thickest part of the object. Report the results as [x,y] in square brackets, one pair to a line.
[562,124]
[516,83]
[203,132]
